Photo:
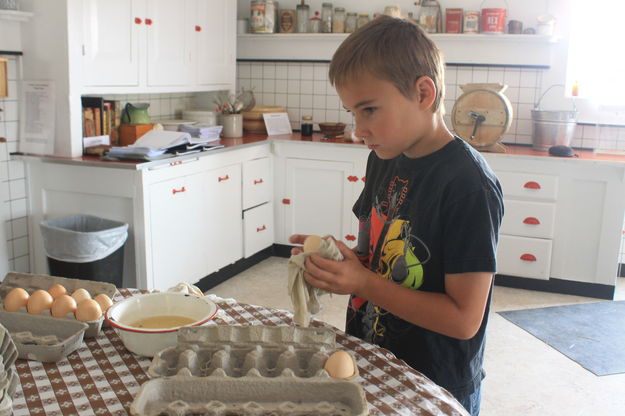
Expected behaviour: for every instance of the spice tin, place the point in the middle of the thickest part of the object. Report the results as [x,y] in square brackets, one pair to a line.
[287,21]
[453,20]
[471,22]
[493,20]
[263,16]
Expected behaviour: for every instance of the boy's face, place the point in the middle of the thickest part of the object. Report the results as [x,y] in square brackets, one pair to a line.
[389,123]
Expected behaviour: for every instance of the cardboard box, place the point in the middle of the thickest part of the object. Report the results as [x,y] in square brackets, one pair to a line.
[129,133]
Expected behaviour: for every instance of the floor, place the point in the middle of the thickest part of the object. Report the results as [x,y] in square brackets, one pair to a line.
[524,375]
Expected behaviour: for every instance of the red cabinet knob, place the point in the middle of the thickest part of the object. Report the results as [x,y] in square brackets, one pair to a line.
[286,201]
[531,221]
[350,237]
[256,182]
[352,178]
[528,257]
[138,20]
[531,185]
[259,229]
[222,178]
[148,21]
[175,191]
[198,28]
[364,179]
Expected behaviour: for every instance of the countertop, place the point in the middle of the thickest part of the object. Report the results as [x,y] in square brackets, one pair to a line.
[512,150]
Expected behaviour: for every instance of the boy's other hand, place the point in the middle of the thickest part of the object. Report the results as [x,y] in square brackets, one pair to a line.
[341,277]
[297,239]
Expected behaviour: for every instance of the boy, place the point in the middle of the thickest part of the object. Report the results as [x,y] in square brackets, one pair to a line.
[420,277]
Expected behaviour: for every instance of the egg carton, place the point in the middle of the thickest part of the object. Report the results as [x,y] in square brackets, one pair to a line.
[257,334]
[32,282]
[253,396]
[8,352]
[43,338]
[239,361]
[8,377]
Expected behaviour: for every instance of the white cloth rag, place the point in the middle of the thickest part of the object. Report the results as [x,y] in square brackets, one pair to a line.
[304,297]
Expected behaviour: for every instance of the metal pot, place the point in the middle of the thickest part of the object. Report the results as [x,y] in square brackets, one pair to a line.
[552,128]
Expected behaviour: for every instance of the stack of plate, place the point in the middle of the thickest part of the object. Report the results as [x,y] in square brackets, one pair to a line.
[8,378]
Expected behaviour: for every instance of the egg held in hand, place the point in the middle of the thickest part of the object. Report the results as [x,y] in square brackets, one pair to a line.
[340,365]
[39,301]
[312,243]
[88,310]
[63,305]
[15,299]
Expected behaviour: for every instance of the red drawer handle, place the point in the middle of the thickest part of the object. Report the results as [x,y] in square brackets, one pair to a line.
[259,229]
[364,179]
[531,185]
[178,162]
[352,178]
[528,257]
[531,221]
[148,21]
[256,182]
[350,237]
[174,191]
[286,201]
[223,178]
[198,28]
[138,20]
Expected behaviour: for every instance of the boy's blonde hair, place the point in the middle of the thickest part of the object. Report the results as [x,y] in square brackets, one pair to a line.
[391,49]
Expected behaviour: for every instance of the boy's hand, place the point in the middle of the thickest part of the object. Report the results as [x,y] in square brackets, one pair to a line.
[299,239]
[344,277]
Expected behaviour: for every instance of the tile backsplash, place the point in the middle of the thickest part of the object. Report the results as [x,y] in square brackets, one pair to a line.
[303,89]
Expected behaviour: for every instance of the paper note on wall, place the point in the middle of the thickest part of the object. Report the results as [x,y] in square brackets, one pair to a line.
[37,117]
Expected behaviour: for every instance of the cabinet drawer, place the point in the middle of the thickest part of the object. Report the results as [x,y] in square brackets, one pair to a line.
[258,231]
[528,185]
[529,219]
[524,257]
[257,182]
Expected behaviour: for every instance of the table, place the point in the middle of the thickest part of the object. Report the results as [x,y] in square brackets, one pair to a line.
[102,377]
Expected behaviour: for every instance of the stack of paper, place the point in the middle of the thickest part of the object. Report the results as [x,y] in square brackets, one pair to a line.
[202,132]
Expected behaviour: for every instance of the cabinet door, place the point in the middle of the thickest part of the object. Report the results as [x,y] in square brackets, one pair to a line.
[216,41]
[258,230]
[178,231]
[222,208]
[319,198]
[170,42]
[257,183]
[111,34]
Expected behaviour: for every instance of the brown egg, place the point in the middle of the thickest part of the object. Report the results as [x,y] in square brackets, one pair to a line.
[39,301]
[88,310]
[312,243]
[15,299]
[63,305]
[340,365]
[80,294]
[104,301]
[57,290]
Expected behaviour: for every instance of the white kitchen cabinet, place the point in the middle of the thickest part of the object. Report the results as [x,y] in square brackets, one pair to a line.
[315,193]
[257,182]
[258,229]
[158,45]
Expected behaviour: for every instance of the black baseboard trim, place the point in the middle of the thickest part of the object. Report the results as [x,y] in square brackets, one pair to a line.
[282,250]
[567,287]
[621,270]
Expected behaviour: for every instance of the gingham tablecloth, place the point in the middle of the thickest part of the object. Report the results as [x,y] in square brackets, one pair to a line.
[102,377]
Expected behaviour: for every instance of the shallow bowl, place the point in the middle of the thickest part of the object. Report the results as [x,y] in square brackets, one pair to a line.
[332,129]
[148,341]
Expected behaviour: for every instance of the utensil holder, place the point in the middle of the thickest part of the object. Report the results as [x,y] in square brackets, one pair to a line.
[232,125]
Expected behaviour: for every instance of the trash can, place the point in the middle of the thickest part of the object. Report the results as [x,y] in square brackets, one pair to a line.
[85,247]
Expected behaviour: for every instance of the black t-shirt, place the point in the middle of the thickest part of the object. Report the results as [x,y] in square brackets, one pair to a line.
[420,219]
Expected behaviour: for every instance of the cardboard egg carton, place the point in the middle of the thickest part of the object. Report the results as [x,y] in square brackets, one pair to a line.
[223,396]
[43,338]
[8,377]
[32,282]
[237,351]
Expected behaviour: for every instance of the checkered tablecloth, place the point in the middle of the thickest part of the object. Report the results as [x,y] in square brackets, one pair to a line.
[102,377]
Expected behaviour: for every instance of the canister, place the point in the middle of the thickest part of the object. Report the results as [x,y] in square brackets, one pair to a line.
[287,21]
[471,23]
[453,20]
[493,20]
[263,16]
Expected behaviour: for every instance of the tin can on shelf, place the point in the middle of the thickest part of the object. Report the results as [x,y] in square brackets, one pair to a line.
[263,15]
[471,22]
[287,21]
[363,19]
[493,20]
[453,20]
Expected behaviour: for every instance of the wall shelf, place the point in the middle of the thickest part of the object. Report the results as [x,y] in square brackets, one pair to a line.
[15,15]
[458,49]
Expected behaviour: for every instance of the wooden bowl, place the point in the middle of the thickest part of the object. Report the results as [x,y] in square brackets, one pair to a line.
[253,121]
[332,129]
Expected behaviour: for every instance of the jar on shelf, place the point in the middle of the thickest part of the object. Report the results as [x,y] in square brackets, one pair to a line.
[306,127]
[392,11]
[338,20]
[302,17]
[326,17]
[263,16]
[350,22]
[315,23]
[363,19]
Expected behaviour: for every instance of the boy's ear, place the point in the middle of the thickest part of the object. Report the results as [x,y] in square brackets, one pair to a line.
[425,91]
